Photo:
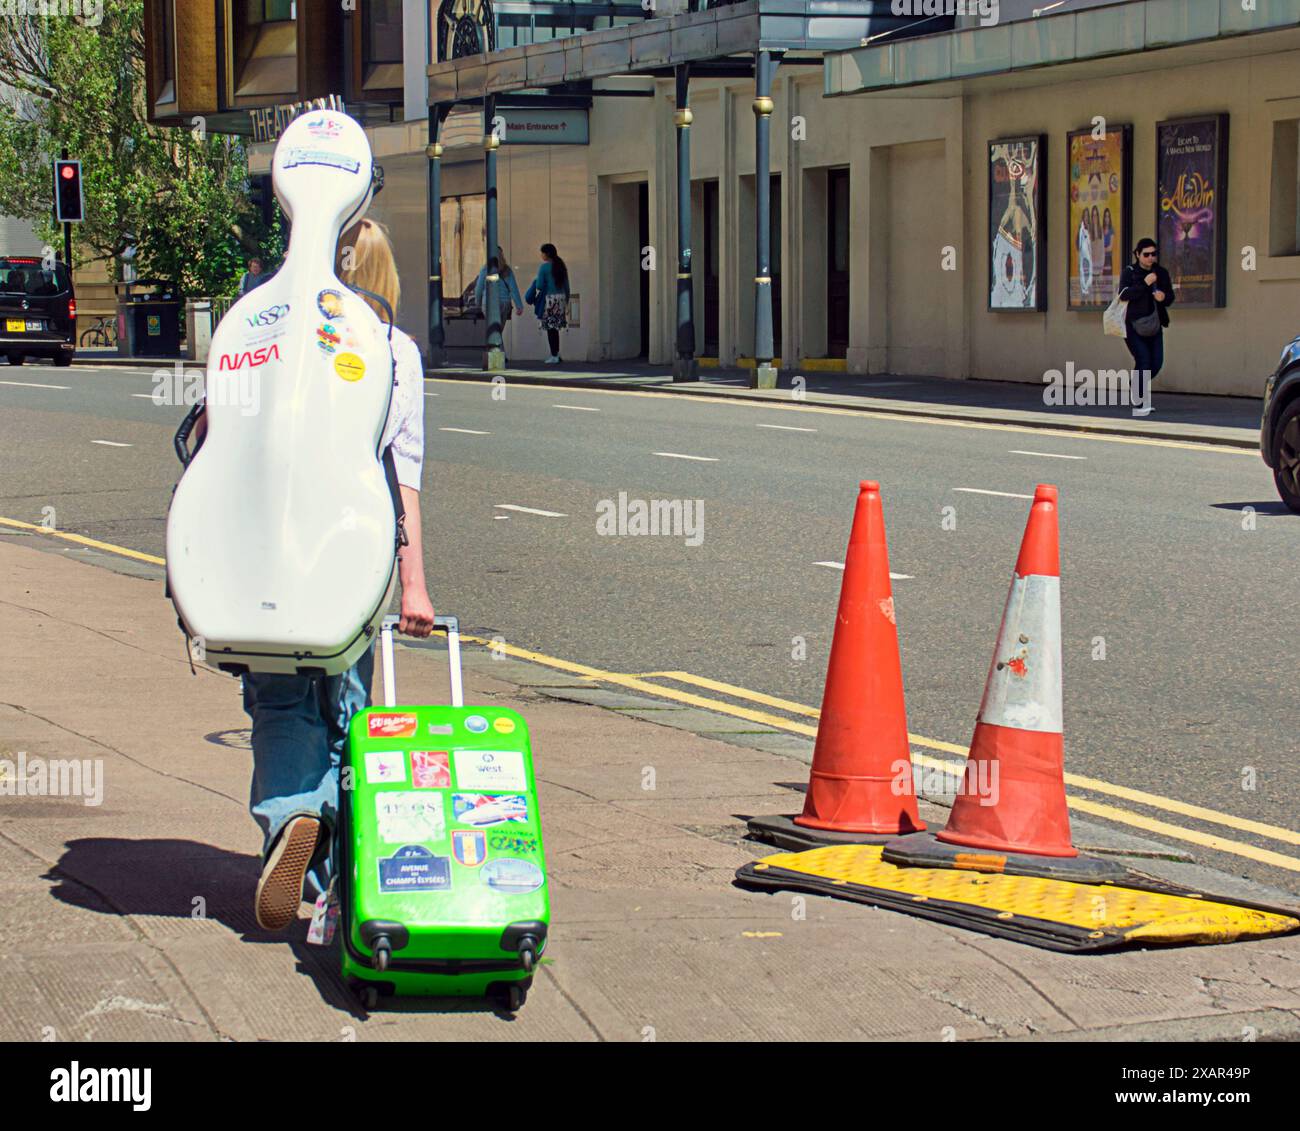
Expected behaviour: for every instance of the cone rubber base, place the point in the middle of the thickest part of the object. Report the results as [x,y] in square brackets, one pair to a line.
[782,832]
[1051,913]
[924,850]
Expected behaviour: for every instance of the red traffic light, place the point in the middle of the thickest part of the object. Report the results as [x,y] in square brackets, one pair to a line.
[67,172]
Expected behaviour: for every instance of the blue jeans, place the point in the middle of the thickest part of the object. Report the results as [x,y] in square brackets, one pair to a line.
[300,729]
[1148,358]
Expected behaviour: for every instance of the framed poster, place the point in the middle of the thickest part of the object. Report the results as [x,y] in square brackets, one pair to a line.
[1017,224]
[1100,210]
[1192,207]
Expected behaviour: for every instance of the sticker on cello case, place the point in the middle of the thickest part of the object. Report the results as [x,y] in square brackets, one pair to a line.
[330,303]
[503,726]
[490,769]
[391,725]
[469,846]
[513,877]
[301,155]
[414,868]
[476,724]
[430,769]
[405,817]
[349,366]
[327,337]
[383,766]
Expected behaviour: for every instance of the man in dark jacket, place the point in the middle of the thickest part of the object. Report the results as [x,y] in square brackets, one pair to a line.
[1149,292]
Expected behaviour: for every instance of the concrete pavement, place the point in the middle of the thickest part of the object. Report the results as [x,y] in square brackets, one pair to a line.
[132,919]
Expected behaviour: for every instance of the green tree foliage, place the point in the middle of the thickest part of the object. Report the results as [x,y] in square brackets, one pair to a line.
[178,195]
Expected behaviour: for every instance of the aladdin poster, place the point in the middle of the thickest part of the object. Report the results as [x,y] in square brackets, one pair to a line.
[1016,228]
[1191,207]
[1100,187]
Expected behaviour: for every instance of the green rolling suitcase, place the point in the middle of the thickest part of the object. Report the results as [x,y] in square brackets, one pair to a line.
[442,882]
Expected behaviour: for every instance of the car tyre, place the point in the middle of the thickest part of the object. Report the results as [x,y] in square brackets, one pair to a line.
[1286,455]
[63,360]
[17,358]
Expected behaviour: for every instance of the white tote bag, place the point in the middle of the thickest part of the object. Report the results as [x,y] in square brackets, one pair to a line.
[1114,320]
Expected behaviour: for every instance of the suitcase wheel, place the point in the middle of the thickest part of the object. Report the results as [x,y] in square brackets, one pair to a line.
[527,957]
[369,997]
[383,951]
[514,998]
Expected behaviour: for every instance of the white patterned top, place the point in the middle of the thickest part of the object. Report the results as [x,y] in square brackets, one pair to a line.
[405,427]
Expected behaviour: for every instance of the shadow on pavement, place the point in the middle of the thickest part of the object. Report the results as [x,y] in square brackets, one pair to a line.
[184,879]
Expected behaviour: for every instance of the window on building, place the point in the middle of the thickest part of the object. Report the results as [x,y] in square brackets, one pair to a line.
[264,42]
[1284,213]
[381,44]
[166,48]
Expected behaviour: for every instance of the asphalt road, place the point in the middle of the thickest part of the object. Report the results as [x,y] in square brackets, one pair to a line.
[1179,643]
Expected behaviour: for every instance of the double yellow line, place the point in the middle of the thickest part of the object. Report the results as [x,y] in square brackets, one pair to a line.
[641,682]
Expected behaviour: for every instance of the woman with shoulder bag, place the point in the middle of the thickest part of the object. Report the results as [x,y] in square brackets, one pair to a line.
[549,295]
[1149,292]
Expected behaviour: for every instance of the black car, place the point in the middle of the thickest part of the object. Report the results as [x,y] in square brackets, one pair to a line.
[38,310]
[1279,439]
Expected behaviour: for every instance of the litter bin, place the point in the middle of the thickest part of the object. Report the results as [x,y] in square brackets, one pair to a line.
[198,328]
[149,318]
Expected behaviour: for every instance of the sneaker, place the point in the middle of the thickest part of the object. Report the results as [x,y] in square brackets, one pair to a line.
[1146,410]
[279,891]
[552,360]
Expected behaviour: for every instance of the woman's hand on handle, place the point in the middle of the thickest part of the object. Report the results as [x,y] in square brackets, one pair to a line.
[417,613]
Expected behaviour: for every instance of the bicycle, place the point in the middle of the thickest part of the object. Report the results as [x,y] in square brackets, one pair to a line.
[101,334]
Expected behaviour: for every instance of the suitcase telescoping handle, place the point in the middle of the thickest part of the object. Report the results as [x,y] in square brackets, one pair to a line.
[449,625]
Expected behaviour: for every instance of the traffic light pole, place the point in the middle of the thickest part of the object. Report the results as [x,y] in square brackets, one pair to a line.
[67,229]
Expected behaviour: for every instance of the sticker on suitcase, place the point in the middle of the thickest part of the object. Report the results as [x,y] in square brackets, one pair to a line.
[391,725]
[430,769]
[481,810]
[513,877]
[490,769]
[385,766]
[469,846]
[405,817]
[414,868]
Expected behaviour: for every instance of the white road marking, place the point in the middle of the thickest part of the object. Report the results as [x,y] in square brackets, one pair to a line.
[787,428]
[501,517]
[527,510]
[1048,455]
[1000,494]
[34,385]
[678,455]
[112,444]
[894,576]
[575,407]
[467,431]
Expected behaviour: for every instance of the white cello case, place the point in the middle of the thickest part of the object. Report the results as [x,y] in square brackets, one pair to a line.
[281,538]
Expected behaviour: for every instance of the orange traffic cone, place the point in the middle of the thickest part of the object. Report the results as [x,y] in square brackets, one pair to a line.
[861,786]
[1011,806]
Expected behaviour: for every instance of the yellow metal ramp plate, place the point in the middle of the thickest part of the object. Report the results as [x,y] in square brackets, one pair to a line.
[1056,914]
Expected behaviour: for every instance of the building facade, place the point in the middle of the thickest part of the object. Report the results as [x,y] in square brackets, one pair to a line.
[886,139]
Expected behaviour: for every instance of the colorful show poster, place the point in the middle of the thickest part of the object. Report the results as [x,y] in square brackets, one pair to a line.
[1100,187]
[1191,207]
[1016,208]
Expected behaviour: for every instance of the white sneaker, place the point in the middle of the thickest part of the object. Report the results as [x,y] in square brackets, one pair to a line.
[552,360]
